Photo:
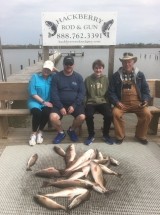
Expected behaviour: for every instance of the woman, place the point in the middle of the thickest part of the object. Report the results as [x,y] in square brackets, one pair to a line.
[39,101]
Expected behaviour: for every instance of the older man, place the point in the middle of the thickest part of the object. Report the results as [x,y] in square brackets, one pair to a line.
[67,96]
[129,93]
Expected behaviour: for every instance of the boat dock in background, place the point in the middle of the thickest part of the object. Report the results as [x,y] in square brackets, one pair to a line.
[73,53]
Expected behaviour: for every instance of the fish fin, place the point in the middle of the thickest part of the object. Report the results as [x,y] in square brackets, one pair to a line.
[62,172]
[71,197]
[88,197]
[40,193]
[45,184]
[65,173]
[50,35]
[119,175]
[28,169]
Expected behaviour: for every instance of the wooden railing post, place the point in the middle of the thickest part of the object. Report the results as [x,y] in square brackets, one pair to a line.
[45,53]
[111,61]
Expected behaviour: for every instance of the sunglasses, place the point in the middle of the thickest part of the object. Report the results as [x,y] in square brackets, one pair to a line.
[48,71]
[68,64]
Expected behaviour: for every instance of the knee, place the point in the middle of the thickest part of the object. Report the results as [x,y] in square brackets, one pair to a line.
[116,113]
[148,114]
[81,117]
[54,117]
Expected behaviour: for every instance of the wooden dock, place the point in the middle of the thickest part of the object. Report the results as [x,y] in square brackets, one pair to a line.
[25,74]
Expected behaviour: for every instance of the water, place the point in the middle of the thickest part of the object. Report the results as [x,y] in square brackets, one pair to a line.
[18,57]
[148,59]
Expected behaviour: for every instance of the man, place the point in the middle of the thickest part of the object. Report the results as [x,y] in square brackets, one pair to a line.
[67,96]
[96,101]
[129,93]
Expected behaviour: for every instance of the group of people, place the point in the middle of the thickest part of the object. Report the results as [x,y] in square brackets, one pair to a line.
[56,94]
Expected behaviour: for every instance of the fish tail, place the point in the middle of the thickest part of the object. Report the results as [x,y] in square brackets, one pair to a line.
[49,34]
[109,191]
[62,172]
[46,184]
[40,193]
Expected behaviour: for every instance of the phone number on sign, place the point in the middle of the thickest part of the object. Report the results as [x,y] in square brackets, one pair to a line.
[79,36]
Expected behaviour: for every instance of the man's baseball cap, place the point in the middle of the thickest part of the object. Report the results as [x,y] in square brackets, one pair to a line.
[68,60]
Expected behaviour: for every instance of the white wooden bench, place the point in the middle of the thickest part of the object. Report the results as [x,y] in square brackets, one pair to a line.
[11,92]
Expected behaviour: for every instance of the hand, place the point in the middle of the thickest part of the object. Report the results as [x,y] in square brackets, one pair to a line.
[63,111]
[70,109]
[48,104]
[120,105]
[143,104]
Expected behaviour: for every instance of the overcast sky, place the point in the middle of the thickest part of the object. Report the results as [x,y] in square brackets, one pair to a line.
[137,21]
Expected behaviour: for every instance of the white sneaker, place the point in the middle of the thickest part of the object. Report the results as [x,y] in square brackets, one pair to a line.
[39,138]
[32,140]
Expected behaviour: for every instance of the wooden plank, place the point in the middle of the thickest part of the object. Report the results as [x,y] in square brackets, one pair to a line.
[151,83]
[13,91]
[4,127]
[3,124]
[14,112]
[153,126]
[154,109]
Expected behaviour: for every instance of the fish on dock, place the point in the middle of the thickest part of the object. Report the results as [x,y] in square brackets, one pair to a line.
[107,170]
[69,183]
[48,203]
[32,160]
[89,154]
[59,151]
[70,155]
[79,199]
[97,173]
[50,172]
[114,162]
[77,175]
[69,192]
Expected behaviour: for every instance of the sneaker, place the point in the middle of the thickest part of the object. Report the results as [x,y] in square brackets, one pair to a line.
[39,138]
[32,140]
[108,140]
[72,135]
[58,139]
[142,141]
[89,140]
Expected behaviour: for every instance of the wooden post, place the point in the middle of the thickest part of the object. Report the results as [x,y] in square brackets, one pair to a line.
[3,123]
[10,69]
[2,66]
[45,53]
[111,61]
